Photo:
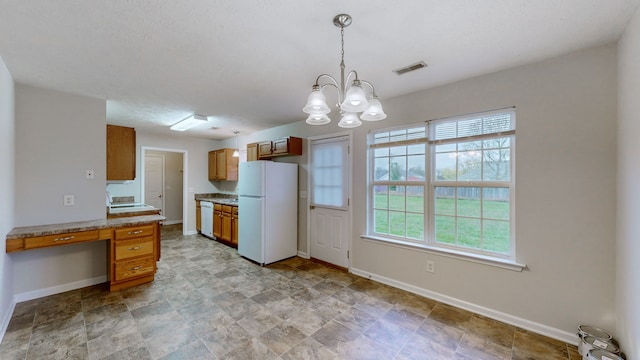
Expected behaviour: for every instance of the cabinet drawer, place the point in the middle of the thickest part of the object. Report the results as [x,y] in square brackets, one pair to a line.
[134,232]
[235,211]
[132,268]
[226,209]
[60,239]
[132,248]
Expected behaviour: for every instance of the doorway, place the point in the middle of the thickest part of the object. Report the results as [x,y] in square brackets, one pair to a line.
[329,201]
[163,183]
[154,180]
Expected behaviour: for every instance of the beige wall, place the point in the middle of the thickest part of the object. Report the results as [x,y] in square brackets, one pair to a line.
[7,190]
[565,204]
[628,210]
[58,136]
[565,195]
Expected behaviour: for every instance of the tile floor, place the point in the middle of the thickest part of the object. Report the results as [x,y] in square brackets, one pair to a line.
[209,303]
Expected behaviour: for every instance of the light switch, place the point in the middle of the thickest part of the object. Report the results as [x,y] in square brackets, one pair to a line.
[68,200]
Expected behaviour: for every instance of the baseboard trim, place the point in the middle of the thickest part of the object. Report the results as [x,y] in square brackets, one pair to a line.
[567,337]
[171,222]
[303,255]
[35,294]
[192,232]
[6,320]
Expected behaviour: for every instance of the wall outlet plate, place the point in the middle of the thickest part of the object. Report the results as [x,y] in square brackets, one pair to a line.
[431,266]
[68,200]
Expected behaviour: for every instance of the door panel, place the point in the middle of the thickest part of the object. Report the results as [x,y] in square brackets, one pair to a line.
[330,216]
[154,181]
[329,238]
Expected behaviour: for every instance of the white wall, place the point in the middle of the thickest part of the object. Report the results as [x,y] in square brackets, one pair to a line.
[7,191]
[58,137]
[628,210]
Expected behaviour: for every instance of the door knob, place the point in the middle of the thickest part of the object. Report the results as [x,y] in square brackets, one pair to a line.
[312,207]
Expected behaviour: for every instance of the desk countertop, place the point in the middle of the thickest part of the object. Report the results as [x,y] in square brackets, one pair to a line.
[53,229]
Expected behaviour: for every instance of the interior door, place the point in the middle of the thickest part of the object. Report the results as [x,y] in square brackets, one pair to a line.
[330,216]
[154,181]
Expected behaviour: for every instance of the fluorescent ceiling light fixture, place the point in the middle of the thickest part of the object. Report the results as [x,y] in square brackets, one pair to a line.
[188,123]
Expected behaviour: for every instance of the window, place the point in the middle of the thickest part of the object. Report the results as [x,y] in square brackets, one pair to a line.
[447,184]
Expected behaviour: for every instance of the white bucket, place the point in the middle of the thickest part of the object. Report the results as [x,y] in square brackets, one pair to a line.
[589,342]
[600,354]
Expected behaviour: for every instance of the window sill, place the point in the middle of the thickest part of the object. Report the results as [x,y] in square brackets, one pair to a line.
[480,259]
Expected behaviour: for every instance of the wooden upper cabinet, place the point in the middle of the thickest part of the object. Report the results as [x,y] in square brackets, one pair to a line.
[222,165]
[264,150]
[121,153]
[287,146]
[252,152]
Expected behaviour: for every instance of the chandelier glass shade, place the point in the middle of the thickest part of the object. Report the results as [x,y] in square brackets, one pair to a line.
[352,98]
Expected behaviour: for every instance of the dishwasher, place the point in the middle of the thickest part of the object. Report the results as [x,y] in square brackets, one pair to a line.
[206,218]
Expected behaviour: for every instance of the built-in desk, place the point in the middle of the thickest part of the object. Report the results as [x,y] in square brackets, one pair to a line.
[134,244]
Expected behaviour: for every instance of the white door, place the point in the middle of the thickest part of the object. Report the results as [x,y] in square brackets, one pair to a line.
[154,181]
[330,216]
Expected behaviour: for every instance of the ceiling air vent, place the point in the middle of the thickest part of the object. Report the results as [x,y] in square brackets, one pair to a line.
[412,67]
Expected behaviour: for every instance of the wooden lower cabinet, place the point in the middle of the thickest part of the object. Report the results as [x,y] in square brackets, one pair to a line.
[198,216]
[60,239]
[134,213]
[217,221]
[133,255]
[225,224]
[133,249]
[234,226]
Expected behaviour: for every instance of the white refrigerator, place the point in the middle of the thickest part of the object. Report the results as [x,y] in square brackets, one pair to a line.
[267,211]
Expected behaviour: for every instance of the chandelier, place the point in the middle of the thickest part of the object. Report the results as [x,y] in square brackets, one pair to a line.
[352,99]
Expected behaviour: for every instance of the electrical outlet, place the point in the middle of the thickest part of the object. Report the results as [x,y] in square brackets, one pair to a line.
[431,266]
[90,174]
[68,200]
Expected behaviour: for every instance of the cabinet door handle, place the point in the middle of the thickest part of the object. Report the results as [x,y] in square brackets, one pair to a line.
[135,248]
[64,238]
[135,232]
[136,268]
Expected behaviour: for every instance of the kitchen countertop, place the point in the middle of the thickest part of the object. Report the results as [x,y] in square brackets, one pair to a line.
[221,201]
[224,199]
[53,229]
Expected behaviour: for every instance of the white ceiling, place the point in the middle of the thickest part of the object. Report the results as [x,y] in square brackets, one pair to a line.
[249,65]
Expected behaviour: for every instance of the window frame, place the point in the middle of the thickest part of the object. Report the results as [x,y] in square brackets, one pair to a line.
[429,184]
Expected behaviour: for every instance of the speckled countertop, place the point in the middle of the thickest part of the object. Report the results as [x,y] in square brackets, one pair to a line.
[225,199]
[53,229]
